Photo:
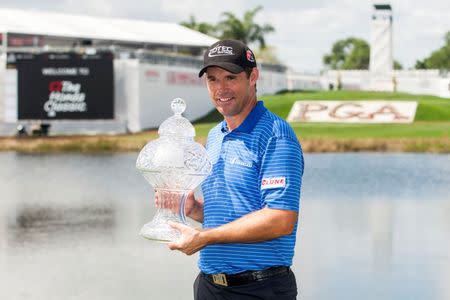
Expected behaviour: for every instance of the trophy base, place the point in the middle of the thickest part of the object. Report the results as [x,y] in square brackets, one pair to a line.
[160,232]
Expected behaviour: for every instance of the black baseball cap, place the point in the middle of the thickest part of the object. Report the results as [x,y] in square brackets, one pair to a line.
[231,55]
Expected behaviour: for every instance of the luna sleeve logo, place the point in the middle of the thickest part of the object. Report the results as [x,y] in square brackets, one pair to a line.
[273,182]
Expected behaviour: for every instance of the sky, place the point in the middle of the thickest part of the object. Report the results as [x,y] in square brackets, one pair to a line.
[304,30]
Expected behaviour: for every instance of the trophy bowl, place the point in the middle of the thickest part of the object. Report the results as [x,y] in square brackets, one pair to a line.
[174,164]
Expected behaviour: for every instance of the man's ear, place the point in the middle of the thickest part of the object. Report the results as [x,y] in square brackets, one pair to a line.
[254,75]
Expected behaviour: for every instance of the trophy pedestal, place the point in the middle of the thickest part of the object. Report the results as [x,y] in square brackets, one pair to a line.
[170,208]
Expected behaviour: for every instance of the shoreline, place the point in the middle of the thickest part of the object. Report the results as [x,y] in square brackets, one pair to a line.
[135,142]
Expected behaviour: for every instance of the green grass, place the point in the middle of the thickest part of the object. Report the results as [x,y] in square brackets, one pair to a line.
[415,130]
[432,116]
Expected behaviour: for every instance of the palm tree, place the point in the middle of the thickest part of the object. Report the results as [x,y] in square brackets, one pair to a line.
[202,27]
[245,30]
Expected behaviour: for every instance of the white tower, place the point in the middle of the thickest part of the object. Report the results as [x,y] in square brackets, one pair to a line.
[381,60]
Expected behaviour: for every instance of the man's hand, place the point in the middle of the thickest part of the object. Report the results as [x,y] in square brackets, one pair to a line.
[191,239]
[190,203]
[193,208]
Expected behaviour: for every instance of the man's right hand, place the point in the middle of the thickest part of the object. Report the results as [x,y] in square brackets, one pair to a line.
[193,208]
[190,204]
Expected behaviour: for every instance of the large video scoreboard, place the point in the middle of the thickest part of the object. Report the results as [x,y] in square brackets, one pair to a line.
[58,86]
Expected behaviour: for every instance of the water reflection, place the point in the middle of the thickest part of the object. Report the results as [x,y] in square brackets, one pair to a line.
[381,229]
[37,216]
[373,226]
[56,222]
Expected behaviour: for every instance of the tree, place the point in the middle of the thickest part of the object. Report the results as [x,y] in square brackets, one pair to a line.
[397,65]
[351,54]
[439,59]
[267,55]
[348,54]
[202,27]
[245,30]
[420,65]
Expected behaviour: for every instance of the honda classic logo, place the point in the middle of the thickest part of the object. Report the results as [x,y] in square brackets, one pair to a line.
[272,183]
[65,96]
[220,51]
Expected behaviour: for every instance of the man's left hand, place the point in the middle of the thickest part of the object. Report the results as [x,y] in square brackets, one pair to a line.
[190,240]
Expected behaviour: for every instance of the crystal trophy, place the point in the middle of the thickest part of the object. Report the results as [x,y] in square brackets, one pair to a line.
[174,164]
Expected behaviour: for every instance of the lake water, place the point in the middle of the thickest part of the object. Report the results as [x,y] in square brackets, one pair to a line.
[373,226]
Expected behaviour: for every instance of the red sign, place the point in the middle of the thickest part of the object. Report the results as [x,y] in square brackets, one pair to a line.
[183,78]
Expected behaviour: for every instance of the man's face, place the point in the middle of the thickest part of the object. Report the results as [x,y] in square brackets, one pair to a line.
[232,94]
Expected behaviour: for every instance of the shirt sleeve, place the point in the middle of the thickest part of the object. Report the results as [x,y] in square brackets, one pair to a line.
[281,174]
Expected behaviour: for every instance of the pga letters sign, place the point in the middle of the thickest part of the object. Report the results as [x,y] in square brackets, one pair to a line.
[353,112]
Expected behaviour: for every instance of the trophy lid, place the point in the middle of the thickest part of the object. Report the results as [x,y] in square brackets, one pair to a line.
[177,125]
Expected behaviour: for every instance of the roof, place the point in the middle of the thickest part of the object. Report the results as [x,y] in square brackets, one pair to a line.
[90,27]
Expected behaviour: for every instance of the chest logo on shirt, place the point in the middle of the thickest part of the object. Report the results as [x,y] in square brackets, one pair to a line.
[273,182]
[237,161]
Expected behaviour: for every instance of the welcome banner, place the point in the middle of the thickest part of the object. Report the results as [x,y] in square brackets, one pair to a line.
[64,86]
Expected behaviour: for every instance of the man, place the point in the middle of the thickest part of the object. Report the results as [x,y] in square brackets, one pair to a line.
[251,199]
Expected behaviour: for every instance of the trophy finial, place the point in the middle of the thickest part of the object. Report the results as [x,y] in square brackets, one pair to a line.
[178,106]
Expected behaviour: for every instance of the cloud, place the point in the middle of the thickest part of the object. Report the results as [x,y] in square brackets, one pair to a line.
[304,35]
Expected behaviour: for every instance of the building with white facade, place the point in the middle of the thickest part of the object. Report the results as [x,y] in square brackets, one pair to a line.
[150,64]
[381,60]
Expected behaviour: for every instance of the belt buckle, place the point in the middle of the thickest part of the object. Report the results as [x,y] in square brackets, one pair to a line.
[220,279]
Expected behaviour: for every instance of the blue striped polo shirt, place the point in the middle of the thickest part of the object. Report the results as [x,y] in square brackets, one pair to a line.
[257,165]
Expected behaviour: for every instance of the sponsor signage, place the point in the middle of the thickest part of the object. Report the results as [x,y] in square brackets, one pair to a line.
[273,182]
[353,111]
[221,51]
[151,75]
[183,78]
[55,86]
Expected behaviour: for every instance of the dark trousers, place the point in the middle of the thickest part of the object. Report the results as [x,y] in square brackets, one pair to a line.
[281,287]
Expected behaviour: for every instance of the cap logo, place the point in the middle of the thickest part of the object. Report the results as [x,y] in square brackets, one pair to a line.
[250,56]
[220,51]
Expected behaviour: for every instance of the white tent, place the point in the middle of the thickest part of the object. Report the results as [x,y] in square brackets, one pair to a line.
[100,28]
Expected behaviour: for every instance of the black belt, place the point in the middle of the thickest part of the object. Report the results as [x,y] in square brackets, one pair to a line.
[245,277]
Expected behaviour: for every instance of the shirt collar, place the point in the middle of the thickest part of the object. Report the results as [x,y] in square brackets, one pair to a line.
[250,121]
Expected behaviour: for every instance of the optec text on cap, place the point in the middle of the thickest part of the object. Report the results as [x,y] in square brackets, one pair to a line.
[220,51]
